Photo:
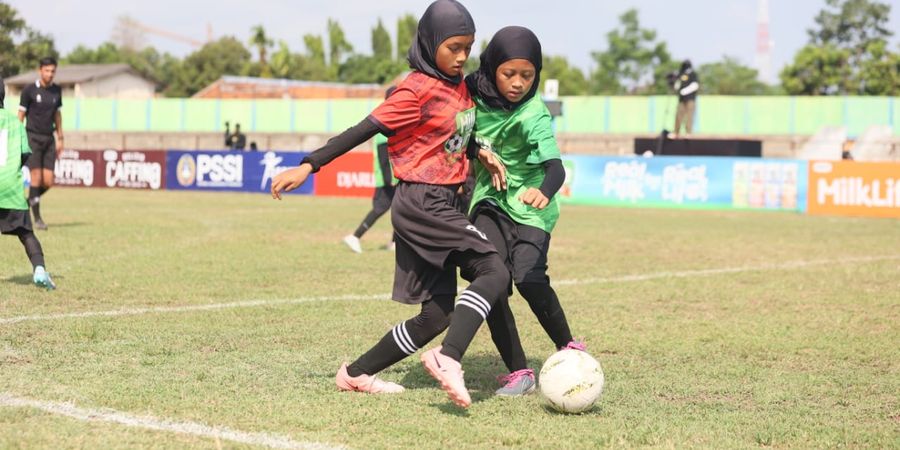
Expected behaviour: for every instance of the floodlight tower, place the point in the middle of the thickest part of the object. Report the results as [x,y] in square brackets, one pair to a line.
[763,43]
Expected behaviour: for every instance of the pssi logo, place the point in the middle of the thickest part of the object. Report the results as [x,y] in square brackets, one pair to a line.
[186,170]
[220,170]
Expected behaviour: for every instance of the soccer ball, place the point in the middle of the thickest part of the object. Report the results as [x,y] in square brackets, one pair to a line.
[571,381]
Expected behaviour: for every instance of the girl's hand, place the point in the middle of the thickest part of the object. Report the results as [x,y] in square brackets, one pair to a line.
[494,167]
[289,180]
[534,197]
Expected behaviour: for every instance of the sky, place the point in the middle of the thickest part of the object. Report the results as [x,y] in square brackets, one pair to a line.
[702,30]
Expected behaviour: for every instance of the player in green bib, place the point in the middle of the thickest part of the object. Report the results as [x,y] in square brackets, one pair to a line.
[384,190]
[14,217]
[518,213]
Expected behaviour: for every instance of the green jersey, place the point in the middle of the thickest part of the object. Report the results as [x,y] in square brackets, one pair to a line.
[379,178]
[522,139]
[13,144]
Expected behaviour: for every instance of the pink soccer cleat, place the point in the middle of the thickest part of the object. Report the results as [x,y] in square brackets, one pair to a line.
[364,383]
[575,345]
[449,373]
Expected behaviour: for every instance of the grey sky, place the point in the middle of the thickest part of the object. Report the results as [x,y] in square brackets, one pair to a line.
[702,30]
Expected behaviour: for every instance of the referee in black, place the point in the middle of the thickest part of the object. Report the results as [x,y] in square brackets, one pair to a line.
[39,108]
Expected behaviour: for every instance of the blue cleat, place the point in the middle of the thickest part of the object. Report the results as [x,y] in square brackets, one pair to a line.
[42,279]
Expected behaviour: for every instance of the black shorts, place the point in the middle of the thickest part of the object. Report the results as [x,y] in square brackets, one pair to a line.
[15,221]
[381,201]
[522,247]
[428,227]
[43,151]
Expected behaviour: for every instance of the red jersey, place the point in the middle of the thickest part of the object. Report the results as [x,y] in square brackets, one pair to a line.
[431,121]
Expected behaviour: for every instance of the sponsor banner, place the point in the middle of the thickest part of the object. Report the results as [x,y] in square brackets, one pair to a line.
[260,168]
[133,169]
[212,170]
[350,175]
[686,182]
[850,188]
[230,170]
[81,168]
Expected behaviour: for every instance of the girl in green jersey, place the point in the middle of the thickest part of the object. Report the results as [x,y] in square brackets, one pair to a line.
[518,213]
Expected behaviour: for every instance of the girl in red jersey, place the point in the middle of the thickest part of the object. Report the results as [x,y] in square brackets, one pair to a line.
[428,120]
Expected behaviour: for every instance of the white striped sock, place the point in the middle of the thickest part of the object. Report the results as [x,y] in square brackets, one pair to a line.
[402,339]
[474,301]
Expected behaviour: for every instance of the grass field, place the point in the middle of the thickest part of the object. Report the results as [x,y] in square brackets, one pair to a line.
[203,320]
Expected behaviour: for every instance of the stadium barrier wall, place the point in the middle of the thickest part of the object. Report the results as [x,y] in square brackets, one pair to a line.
[846,188]
[727,115]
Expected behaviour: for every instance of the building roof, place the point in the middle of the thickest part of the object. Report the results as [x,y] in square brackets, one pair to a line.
[75,73]
[251,87]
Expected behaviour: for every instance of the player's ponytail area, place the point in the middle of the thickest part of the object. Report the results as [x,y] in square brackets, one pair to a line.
[200,320]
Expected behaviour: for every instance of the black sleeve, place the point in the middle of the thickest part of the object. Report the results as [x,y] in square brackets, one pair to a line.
[472,149]
[554,177]
[342,143]
[24,160]
[384,163]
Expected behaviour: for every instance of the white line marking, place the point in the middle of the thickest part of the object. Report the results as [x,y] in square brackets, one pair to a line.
[152,423]
[189,308]
[726,270]
[584,281]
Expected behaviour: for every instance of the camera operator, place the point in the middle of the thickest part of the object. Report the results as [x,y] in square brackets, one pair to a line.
[685,82]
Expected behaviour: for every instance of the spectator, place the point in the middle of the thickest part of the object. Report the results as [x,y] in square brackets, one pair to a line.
[687,85]
[236,140]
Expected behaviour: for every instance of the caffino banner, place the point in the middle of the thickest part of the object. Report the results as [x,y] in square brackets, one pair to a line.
[686,182]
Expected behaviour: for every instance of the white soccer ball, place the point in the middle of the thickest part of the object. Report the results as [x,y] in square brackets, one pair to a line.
[571,381]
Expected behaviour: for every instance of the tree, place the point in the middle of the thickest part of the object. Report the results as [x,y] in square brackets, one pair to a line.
[10,25]
[818,70]
[632,61]
[369,69]
[881,72]
[17,57]
[262,42]
[730,77]
[226,56]
[571,79]
[338,45]
[381,43]
[847,52]
[406,29]
[313,66]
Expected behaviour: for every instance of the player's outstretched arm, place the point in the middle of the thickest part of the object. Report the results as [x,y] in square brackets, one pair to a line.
[290,179]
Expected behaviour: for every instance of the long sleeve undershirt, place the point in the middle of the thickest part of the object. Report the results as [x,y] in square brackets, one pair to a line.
[342,143]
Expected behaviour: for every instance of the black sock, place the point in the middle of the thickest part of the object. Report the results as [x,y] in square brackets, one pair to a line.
[545,305]
[32,248]
[506,336]
[405,338]
[36,209]
[491,282]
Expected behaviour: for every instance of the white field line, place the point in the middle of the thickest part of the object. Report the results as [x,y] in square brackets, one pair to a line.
[573,282]
[153,423]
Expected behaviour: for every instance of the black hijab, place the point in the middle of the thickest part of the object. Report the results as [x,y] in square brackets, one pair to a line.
[509,43]
[443,19]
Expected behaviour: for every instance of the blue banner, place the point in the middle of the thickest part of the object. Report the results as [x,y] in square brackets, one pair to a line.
[230,170]
[687,182]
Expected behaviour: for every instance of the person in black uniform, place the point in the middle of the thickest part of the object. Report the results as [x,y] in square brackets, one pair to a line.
[39,108]
[236,140]
[686,84]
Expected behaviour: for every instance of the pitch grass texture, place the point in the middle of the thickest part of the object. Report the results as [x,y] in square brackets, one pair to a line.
[777,355]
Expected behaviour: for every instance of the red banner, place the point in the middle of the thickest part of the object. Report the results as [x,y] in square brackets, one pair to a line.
[351,175]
